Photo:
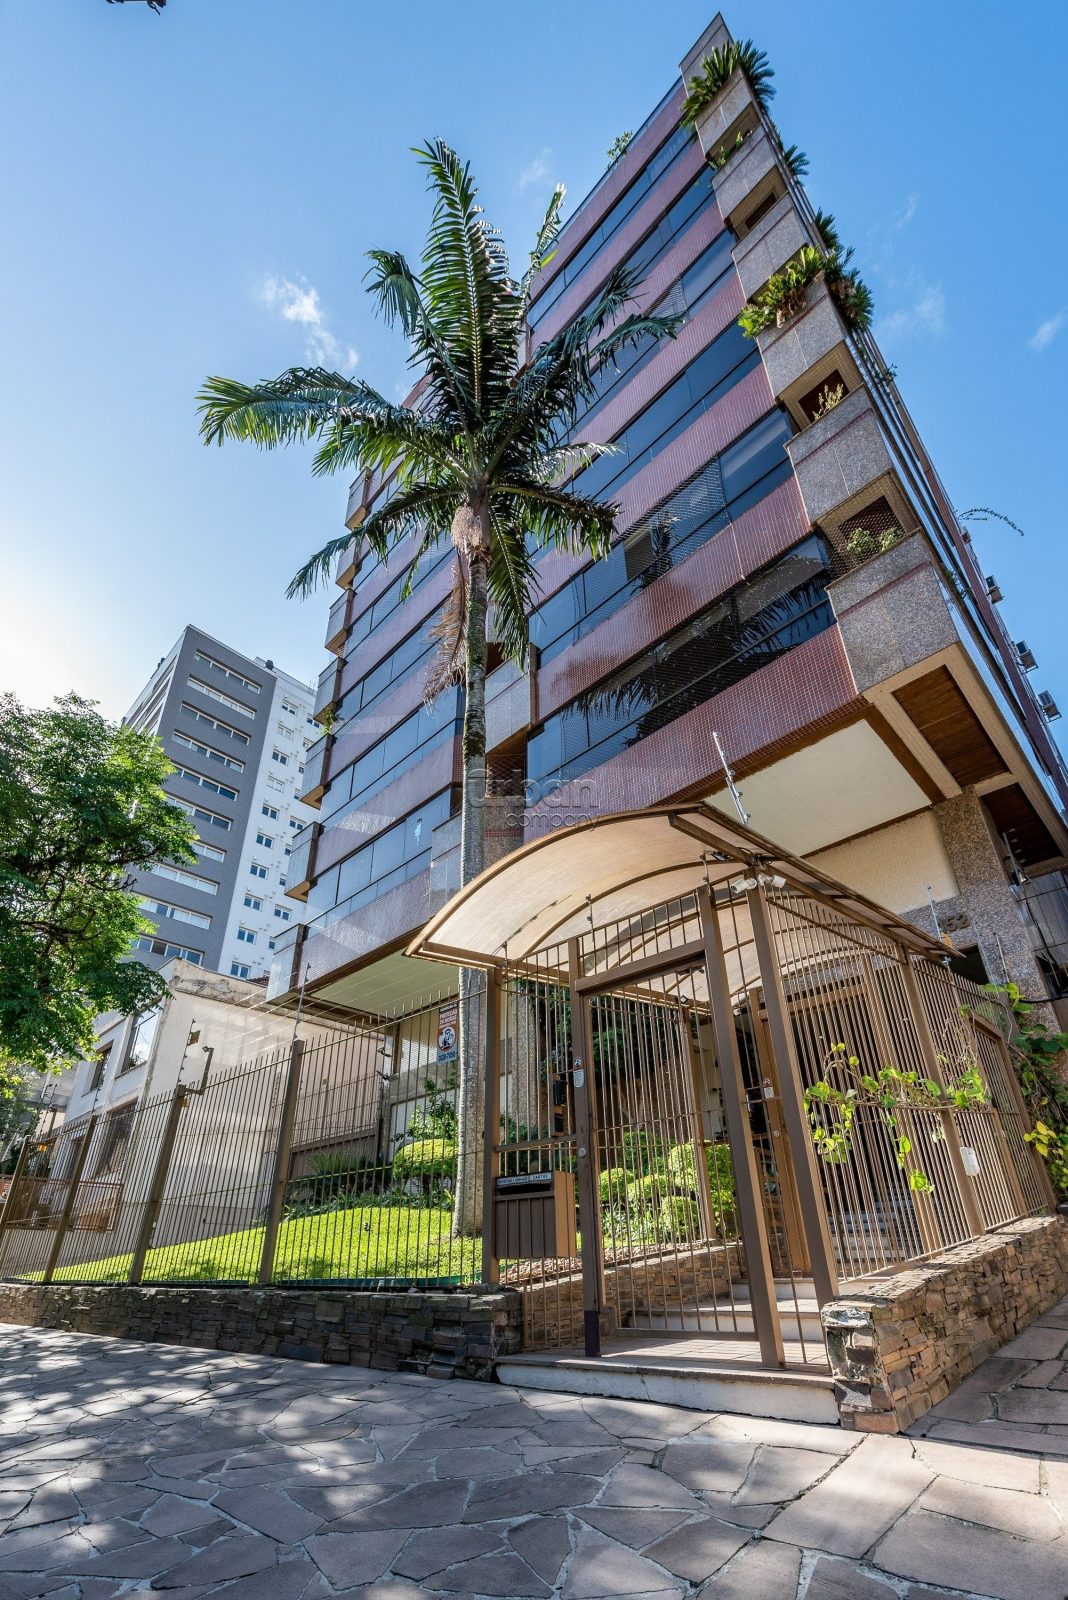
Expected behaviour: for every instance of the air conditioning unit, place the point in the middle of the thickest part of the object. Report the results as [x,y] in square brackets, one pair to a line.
[1025,655]
[1050,709]
[993,588]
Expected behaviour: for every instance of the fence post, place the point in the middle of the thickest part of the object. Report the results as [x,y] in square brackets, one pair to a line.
[491,1272]
[780,1026]
[586,1141]
[154,1199]
[282,1155]
[68,1205]
[8,1210]
[929,1051]
[751,1219]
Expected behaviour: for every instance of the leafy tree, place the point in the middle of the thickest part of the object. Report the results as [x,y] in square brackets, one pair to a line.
[81,802]
[482,459]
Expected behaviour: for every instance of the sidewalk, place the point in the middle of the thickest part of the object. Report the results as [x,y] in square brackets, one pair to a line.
[126,1468]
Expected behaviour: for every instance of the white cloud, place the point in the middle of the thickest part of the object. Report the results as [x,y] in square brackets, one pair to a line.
[908,212]
[538,170]
[924,314]
[1047,331]
[299,302]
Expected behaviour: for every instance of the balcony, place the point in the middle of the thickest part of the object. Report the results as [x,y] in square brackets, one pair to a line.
[310,787]
[841,458]
[299,869]
[767,248]
[285,964]
[1043,906]
[337,624]
[338,941]
[892,613]
[809,353]
[328,688]
[750,184]
[732,109]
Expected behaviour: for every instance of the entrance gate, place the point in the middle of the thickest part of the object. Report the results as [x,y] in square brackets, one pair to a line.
[655,1177]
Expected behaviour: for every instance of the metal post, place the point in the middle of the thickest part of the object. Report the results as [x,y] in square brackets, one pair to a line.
[809,1191]
[7,1212]
[751,1217]
[154,1198]
[491,1272]
[282,1155]
[933,1066]
[583,1083]
[68,1205]
[709,1222]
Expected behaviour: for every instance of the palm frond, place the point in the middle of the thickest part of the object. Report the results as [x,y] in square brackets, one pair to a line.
[450,631]
[397,292]
[513,584]
[294,406]
[557,517]
[544,247]
[424,506]
[470,294]
[376,440]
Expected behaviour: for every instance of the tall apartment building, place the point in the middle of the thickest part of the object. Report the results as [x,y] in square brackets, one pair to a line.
[875,711]
[237,731]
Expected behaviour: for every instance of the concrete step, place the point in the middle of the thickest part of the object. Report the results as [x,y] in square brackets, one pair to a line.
[692,1384]
[721,1315]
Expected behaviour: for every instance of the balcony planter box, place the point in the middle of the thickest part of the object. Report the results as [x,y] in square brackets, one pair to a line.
[840,456]
[719,117]
[299,865]
[337,624]
[803,340]
[774,241]
[310,786]
[892,613]
[735,182]
[328,689]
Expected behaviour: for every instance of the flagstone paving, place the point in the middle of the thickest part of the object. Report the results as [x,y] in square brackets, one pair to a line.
[131,1470]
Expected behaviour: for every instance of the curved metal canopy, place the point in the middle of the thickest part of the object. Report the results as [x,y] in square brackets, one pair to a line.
[615,867]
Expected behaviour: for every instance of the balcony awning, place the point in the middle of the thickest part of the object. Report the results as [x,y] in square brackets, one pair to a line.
[611,869]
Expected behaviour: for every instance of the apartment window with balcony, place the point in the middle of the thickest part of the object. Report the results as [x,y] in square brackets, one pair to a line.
[238,969]
[270,811]
[266,839]
[246,936]
[165,908]
[253,902]
[206,783]
[162,947]
[202,814]
[258,870]
[114,1138]
[223,728]
[227,672]
[756,623]
[410,742]
[210,852]
[208,752]
[396,855]
[192,880]
[217,694]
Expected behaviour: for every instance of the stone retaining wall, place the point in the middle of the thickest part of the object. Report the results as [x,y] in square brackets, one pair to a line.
[444,1334]
[900,1344]
[651,1281]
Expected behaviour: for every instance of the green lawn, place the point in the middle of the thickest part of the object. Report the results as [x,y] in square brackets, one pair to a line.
[365,1242]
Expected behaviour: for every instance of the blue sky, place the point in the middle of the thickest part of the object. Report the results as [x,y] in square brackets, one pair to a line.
[193,193]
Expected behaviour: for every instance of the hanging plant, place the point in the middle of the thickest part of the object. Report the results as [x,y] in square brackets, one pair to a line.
[832,1109]
[783,296]
[718,68]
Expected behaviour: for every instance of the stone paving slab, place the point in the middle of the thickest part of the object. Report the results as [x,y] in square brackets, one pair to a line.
[129,1470]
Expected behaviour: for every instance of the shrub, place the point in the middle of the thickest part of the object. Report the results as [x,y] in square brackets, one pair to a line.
[679,1218]
[647,1191]
[683,1174]
[614,1183]
[783,296]
[642,1153]
[425,1159]
[718,68]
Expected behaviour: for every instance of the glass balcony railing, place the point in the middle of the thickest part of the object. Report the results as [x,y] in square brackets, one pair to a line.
[1043,905]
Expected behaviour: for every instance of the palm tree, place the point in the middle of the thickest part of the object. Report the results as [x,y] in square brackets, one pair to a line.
[482,457]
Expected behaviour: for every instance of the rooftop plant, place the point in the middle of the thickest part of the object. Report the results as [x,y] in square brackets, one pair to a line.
[739,55]
[618,147]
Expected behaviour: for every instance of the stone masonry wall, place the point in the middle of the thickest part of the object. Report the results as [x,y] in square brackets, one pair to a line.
[446,1335]
[898,1345]
[654,1281]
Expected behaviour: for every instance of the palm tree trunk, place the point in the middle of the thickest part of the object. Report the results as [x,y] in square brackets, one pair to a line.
[467,1209]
